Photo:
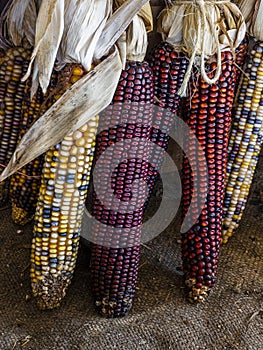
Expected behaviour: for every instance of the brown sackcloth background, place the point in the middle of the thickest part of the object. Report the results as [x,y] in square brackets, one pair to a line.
[161,318]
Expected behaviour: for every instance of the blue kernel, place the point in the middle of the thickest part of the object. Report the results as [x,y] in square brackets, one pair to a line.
[56,209]
[62,234]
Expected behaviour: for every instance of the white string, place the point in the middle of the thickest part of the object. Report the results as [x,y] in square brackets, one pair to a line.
[202,17]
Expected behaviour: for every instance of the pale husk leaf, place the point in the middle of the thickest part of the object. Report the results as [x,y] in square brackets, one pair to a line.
[178,25]
[204,40]
[122,47]
[170,25]
[252,11]
[145,13]
[248,10]
[137,41]
[5,42]
[84,22]
[116,25]
[21,18]
[257,26]
[49,30]
[29,21]
[76,107]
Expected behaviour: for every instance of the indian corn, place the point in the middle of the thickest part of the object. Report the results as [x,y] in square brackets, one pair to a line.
[245,141]
[208,114]
[60,206]
[25,184]
[13,66]
[115,254]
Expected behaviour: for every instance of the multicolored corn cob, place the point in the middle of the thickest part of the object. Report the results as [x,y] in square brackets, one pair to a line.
[208,113]
[24,185]
[169,67]
[60,206]
[245,142]
[13,65]
[115,253]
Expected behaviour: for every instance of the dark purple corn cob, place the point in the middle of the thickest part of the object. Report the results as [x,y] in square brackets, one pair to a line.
[208,113]
[13,66]
[25,184]
[169,67]
[115,254]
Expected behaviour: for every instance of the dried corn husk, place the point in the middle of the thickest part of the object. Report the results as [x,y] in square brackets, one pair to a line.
[202,28]
[116,25]
[136,36]
[49,30]
[145,13]
[253,13]
[21,19]
[84,22]
[79,104]
[4,42]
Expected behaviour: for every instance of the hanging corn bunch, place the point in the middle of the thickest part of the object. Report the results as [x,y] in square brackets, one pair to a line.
[247,130]
[70,121]
[117,232]
[208,32]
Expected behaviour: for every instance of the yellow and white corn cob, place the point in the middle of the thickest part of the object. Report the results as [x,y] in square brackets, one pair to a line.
[245,142]
[60,207]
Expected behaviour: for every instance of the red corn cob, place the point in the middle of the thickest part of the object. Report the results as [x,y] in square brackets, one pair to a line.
[241,53]
[114,270]
[208,113]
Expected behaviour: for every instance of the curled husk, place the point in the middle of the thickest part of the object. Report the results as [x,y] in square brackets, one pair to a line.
[253,13]
[136,33]
[21,19]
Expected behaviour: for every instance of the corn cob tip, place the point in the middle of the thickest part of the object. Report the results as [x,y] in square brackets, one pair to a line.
[4,197]
[196,295]
[20,216]
[50,291]
[111,309]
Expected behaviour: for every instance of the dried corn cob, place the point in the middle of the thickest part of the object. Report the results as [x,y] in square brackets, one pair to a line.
[24,185]
[208,113]
[241,53]
[60,206]
[114,270]
[169,67]
[13,66]
[245,142]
